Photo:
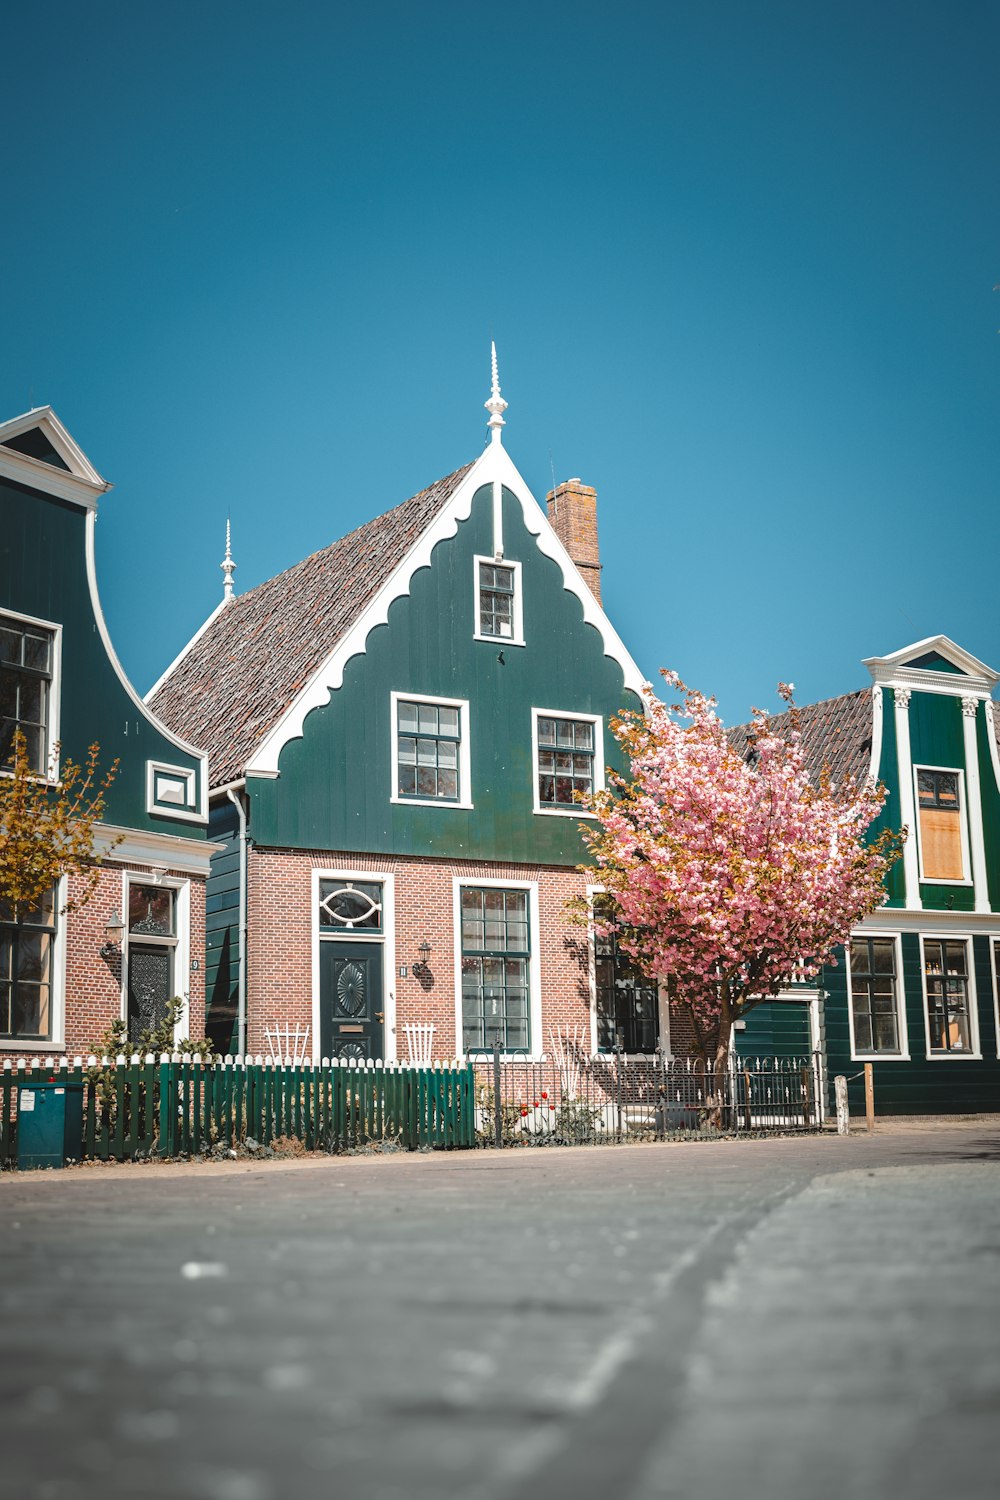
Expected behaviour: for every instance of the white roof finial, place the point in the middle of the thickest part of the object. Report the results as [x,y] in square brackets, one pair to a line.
[228,568]
[496,405]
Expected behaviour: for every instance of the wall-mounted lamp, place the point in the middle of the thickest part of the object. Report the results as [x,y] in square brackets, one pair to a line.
[424,948]
[113,934]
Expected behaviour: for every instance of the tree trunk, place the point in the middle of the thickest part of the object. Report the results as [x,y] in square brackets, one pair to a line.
[720,1067]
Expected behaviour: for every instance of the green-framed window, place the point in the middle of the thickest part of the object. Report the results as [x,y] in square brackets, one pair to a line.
[27,655]
[875,995]
[428,740]
[496,968]
[27,952]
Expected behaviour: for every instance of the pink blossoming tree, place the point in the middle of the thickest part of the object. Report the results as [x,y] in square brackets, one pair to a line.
[728,874]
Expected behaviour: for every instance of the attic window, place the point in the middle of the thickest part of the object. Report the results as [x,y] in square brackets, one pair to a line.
[939,810]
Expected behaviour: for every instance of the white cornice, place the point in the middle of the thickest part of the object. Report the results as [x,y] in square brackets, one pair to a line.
[145,847]
[81,483]
[493,465]
[973,678]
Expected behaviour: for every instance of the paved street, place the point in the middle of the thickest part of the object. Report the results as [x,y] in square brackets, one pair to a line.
[783,1318]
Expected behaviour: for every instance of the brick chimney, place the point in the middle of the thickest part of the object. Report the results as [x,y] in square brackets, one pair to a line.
[573,513]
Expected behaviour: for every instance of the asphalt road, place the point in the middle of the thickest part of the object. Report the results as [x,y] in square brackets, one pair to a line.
[782,1318]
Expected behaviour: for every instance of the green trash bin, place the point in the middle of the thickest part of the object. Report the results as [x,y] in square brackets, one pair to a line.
[49,1123]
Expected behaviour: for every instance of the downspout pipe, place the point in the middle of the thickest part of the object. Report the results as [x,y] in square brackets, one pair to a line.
[241,1013]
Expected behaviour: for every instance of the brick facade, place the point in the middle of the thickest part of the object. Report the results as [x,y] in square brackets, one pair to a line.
[92,994]
[280,950]
[573,512]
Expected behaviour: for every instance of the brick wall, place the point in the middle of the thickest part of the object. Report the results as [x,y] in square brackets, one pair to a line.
[573,513]
[280,945]
[93,984]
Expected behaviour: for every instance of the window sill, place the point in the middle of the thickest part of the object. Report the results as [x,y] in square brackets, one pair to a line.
[499,640]
[563,812]
[437,802]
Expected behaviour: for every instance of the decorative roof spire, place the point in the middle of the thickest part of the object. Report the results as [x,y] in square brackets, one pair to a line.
[496,405]
[228,568]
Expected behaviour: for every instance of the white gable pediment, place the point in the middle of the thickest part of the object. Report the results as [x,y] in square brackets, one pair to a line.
[934,665]
[64,470]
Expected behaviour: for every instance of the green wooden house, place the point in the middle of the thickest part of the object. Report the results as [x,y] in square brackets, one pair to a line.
[396,728]
[916,993]
[62,686]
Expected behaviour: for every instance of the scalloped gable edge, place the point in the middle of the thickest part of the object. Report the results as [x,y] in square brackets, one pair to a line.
[81,483]
[496,466]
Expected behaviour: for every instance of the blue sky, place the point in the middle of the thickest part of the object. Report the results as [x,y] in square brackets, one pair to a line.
[738,259]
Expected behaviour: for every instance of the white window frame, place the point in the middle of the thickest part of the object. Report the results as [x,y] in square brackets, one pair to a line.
[464,752]
[903,1055]
[597,721]
[517,621]
[536,1050]
[387,937]
[190,775]
[975,1053]
[56,1041]
[181,944]
[663,998]
[51,773]
[963,817]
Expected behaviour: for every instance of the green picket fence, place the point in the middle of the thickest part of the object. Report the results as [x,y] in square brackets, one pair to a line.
[182,1106]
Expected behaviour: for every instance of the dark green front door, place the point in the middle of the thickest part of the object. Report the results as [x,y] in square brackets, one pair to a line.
[351,1002]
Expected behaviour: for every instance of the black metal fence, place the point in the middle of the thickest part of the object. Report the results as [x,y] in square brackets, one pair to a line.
[571,1099]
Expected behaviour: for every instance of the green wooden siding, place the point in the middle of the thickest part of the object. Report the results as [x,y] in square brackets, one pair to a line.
[777,1028]
[922,1085]
[43,573]
[222,930]
[335,783]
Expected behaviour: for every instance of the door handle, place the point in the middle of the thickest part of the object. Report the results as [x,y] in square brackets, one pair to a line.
[380,1015]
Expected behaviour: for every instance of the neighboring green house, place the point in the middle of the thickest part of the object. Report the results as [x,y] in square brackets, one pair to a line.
[916,994]
[62,686]
[396,728]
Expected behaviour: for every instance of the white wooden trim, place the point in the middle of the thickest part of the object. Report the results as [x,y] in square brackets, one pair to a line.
[537,1047]
[904,769]
[980,878]
[464,802]
[494,464]
[963,824]
[387,939]
[903,1055]
[168,734]
[975,1053]
[583,718]
[517,622]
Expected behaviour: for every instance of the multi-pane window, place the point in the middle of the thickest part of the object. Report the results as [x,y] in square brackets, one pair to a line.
[26,663]
[347,906]
[496,955]
[565,760]
[496,600]
[627,1002]
[940,814]
[874,995]
[26,956]
[428,739]
[946,976]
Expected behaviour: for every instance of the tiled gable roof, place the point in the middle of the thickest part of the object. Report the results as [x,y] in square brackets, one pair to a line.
[836,732]
[240,675]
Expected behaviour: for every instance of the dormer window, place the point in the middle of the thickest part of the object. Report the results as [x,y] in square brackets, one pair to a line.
[942,834]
